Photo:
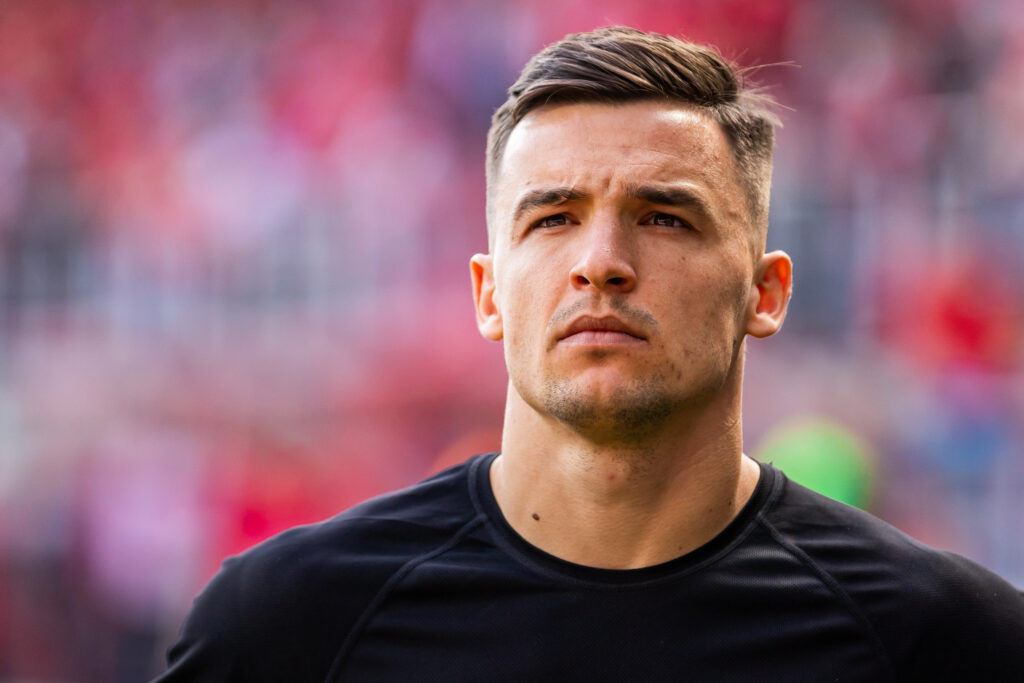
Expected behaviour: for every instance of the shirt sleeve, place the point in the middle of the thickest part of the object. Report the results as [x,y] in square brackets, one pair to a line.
[215,641]
[970,628]
[281,610]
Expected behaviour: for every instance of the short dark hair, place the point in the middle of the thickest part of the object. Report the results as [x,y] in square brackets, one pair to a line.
[620,64]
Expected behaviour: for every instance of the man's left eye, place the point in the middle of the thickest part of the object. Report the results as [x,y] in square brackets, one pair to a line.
[666,220]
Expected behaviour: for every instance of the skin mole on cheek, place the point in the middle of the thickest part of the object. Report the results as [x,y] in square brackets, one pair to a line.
[536,516]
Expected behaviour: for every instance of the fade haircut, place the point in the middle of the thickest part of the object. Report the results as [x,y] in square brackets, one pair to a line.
[620,64]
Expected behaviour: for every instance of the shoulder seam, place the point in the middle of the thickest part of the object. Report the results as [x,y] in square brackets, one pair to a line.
[833,586]
[385,590]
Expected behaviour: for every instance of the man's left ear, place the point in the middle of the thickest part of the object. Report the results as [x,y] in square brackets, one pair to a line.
[769,298]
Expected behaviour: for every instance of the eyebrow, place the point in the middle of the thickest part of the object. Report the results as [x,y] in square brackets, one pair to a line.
[666,196]
[671,196]
[536,199]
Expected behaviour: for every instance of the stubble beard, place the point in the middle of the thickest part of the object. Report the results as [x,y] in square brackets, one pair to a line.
[631,415]
[635,414]
[637,411]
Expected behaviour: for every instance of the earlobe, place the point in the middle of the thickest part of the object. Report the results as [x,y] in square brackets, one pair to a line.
[488,314]
[774,286]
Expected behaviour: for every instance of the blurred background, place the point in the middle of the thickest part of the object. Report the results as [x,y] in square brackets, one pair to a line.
[234,292]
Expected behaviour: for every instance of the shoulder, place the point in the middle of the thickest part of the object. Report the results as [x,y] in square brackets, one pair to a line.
[358,548]
[287,603]
[938,615]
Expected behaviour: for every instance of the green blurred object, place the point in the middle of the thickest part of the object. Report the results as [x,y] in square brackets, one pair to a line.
[823,456]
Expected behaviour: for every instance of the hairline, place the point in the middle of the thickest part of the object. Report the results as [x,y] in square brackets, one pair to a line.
[495,162]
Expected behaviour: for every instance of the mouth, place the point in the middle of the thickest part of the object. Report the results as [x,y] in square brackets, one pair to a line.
[604,331]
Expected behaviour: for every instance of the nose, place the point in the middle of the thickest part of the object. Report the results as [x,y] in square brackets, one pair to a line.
[606,262]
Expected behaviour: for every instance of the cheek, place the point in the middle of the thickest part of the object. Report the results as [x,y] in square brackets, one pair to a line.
[711,310]
[527,284]
[730,282]
[520,312]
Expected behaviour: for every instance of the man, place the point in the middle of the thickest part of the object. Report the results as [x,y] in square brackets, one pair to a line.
[621,534]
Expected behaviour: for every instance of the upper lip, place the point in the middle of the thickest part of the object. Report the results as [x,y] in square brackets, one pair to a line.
[603,324]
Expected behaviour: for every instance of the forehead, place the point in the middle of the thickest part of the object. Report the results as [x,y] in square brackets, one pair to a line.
[603,148]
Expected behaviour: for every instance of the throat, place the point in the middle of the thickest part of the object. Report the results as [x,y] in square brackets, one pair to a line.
[621,510]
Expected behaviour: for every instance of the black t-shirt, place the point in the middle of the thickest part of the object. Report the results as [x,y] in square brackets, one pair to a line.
[431,584]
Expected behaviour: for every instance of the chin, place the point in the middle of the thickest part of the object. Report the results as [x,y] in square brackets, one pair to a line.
[628,410]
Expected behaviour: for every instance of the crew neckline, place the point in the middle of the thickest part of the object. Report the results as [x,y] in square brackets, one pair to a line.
[527,553]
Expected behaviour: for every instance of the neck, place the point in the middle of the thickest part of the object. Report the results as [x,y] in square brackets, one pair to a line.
[614,506]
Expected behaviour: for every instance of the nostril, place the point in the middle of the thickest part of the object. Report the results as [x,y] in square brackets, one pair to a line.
[616,280]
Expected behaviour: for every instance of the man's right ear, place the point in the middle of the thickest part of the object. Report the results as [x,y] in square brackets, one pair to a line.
[488,316]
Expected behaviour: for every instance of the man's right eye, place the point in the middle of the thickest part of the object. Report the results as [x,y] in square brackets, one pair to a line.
[552,221]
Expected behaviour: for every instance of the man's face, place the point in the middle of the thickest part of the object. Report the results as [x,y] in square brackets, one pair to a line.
[623,266]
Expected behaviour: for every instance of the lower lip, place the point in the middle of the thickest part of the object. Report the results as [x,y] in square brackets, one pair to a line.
[601,338]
